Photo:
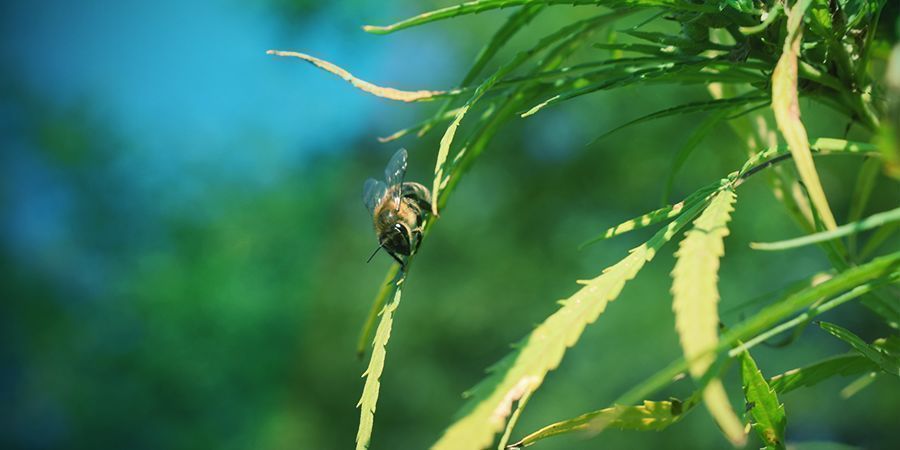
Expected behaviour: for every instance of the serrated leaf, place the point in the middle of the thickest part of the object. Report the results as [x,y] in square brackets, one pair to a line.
[786,106]
[383,92]
[377,306]
[768,414]
[763,320]
[649,416]
[544,348]
[369,398]
[873,221]
[695,297]
[654,217]
[478,6]
[884,360]
[807,376]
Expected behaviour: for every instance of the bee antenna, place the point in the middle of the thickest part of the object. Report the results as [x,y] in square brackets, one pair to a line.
[373,253]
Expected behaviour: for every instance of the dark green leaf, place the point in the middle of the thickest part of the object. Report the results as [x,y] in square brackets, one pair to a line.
[887,362]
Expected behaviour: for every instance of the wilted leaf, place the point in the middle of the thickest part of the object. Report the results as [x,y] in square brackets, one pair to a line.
[786,106]
[384,92]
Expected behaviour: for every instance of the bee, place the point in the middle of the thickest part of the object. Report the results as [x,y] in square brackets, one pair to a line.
[399,210]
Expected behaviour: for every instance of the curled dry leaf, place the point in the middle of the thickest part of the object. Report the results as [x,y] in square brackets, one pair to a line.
[383,92]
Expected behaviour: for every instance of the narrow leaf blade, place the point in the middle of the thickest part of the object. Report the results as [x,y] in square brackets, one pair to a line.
[885,361]
[843,365]
[649,416]
[873,221]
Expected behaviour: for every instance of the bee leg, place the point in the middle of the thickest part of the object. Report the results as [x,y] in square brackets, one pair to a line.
[418,237]
[399,261]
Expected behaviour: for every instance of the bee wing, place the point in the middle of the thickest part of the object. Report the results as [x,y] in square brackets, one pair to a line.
[373,192]
[394,173]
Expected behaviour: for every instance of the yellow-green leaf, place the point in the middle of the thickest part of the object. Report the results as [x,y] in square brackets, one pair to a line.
[383,92]
[650,416]
[521,372]
[653,217]
[786,106]
[369,397]
[768,414]
[873,221]
[695,298]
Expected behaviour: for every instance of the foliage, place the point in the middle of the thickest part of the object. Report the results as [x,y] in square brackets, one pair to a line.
[749,54]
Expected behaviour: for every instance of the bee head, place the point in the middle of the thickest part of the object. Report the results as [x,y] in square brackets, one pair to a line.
[396,239]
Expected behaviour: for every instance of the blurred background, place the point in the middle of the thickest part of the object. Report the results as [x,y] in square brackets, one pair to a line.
[184,243]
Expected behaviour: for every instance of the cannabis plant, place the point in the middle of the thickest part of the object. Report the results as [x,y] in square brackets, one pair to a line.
[756,59]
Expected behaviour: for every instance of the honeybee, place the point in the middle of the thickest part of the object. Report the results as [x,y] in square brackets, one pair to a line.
[399,210]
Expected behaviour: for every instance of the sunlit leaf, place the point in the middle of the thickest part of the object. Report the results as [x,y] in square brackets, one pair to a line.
[377,305]
[873,221]
[384,92]
[887,362]
[419,127]
[695,297]
[768,414]
[786,106]
[753,326]
[654,217]
[543,349]
[649,416]
[369,398]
